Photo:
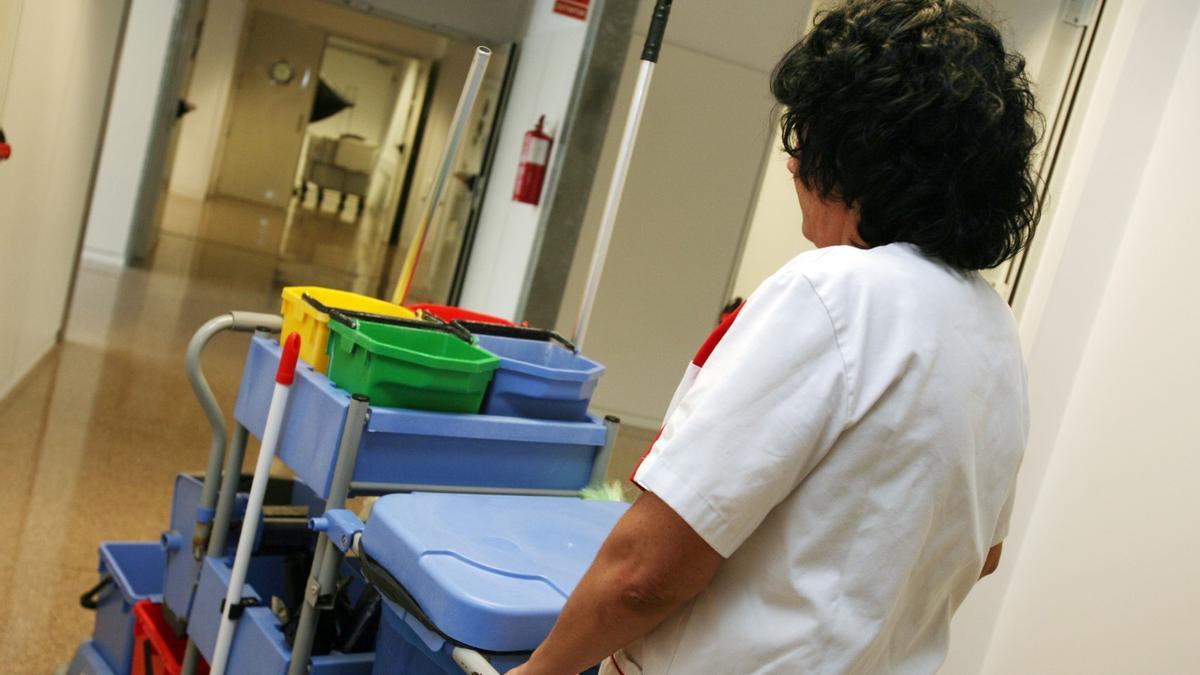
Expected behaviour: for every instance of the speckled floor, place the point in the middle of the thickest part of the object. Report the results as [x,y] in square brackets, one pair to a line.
[91,441]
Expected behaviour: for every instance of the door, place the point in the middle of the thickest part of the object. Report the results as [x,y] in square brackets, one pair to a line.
[160,153]
[272,102]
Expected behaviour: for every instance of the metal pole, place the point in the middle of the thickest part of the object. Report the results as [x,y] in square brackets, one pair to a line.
[466,101]
[327,558]
[228,495]
[600,466]
[658,26]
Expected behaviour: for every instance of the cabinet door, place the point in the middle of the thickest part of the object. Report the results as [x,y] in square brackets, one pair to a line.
[272,101]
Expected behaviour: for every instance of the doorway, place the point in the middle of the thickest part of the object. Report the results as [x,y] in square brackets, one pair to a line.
[323,126]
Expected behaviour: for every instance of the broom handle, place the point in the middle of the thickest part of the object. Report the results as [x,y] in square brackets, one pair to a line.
[466,101]
[654,38]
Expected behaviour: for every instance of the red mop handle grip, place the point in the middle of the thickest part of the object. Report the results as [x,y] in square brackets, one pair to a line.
[287,360]
[658,27]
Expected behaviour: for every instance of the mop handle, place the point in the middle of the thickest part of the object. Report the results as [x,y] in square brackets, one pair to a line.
[466,101]
[230,610]
[654,39]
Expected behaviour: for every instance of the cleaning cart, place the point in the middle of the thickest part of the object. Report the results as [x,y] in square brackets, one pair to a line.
[466,559]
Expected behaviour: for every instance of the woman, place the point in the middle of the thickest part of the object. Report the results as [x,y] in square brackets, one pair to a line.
[839,473]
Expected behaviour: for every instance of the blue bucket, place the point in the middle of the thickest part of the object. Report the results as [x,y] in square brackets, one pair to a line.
[539,379]
[136,573]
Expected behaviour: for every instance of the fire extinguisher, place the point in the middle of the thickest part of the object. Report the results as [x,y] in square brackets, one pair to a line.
[5,148]
[531,172]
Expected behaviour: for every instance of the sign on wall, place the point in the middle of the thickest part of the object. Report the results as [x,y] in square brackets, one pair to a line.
[576,9]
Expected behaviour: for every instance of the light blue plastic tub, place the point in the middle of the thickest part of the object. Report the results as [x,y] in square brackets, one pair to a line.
[136,569]
[539,379]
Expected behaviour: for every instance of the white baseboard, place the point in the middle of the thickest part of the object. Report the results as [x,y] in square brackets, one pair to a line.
[100,257]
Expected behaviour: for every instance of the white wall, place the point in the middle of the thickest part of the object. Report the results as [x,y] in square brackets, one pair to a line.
[127,139]
[504,242]
[1130,76]
[57,89]
[212,73]
[1106,582]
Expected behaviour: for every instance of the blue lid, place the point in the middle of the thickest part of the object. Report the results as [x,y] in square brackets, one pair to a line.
[491,571]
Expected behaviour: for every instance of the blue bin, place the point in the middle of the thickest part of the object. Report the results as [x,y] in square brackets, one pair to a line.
[413,447]
[540,380]
[136,570]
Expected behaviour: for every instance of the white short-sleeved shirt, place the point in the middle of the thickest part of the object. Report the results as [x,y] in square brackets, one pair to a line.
[850,446]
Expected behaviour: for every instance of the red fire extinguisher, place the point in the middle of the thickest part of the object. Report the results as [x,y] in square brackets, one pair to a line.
[531,172]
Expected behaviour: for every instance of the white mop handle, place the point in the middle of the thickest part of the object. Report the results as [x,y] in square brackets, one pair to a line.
[613,202]
[458,124]
[258,491]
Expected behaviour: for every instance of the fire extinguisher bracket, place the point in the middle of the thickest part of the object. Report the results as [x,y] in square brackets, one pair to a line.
[531,171]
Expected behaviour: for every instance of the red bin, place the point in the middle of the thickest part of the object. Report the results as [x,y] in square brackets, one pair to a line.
[156,649]
[447,313]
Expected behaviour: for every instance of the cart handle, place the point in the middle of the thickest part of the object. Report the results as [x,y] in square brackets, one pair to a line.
[242,322]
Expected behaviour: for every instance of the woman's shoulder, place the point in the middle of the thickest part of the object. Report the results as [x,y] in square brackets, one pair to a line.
[884,275]
[862,265]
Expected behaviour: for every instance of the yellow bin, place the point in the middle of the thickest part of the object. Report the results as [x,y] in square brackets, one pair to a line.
[313,325]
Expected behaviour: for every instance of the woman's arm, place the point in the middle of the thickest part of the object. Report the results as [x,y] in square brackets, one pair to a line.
[992,561]
[650,565]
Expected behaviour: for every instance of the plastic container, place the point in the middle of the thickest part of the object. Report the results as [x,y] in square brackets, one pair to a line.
[410,446]
[403,367]
[156,649]
[448,313]
[136,570]
[489,571]
[540,380]
[300,316]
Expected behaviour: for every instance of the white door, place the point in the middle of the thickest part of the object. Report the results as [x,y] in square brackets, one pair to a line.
[186,26]
[272,101]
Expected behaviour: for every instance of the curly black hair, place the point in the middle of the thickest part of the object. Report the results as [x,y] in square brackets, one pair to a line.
[913,111]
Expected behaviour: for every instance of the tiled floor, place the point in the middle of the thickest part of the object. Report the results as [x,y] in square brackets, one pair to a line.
[91,441]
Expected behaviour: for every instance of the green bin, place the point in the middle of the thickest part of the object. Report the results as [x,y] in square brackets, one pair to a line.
[402,367]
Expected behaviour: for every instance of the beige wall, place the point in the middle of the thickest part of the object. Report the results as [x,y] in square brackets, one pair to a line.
[691,191]
[1106,583]
[1131,73]
[775,234]
[57,92]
